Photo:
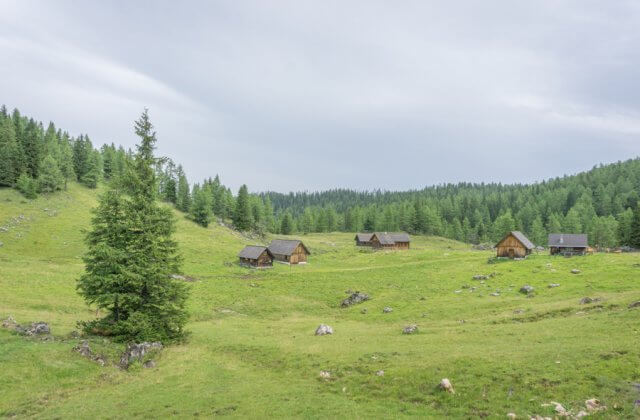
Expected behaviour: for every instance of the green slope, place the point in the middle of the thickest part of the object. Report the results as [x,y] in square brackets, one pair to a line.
[252,352]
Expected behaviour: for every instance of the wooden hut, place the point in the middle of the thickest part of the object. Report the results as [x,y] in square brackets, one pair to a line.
[514,245]
[568,244]
[256,256]
[363,239]
[384,240]
[291,251]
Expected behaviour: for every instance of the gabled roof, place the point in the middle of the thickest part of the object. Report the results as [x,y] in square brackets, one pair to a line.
[253,252]
[286,246]
[363,237]
[520,237]
[568,240]
[391,238]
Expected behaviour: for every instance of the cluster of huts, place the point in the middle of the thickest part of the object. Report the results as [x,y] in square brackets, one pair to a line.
[383,240]
[293,251]
[290,251]
[516,245]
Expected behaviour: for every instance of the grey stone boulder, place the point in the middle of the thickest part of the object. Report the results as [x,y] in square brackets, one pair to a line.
[35,328]
[635,304]
[84,349]
[324,329]
[526,289]
[354,299]
[575,271]
[137,351]
[445,385]
[552,285]
[387,309]
[9,323]
[481,277]
[410,329]
[149,364]
[587,300]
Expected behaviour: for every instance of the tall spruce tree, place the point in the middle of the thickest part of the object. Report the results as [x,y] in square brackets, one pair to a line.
[9,157]
[242,216]
[50,178]
[131,256]
[201,205]
[183,194]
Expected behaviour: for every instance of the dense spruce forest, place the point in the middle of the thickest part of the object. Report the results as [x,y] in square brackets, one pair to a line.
[603,202]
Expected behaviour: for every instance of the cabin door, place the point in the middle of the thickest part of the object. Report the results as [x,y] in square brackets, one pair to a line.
[512,253]
[294,259]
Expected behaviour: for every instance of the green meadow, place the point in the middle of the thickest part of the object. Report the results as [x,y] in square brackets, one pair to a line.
[252,352]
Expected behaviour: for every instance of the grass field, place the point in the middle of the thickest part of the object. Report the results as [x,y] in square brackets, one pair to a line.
[252,350]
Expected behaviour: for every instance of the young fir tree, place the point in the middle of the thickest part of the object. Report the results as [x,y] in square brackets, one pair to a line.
[27,186]
[201,205]
[50,178]
[66,162]
[242,217]
[131,256]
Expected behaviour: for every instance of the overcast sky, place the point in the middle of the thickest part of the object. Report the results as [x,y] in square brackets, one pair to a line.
[307,95]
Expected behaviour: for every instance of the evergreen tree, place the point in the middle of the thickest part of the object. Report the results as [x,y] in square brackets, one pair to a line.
[634,234]
[286,224]
[131,256]
[50,178]
[93,171]
[201,206]
[27,186]
[269,220]
[183,195]
[538,233]
[9,157]
[242,218]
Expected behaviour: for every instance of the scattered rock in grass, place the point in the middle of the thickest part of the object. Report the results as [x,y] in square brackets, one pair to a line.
[354,299]
[445,384]
[518,311]
[635,304]
[562,412]
[526,289]
[423,298]
[363,311]
[586,300]
[180,277]
[324,329]
[84,349]
[149,364]
[482,247]
[594,405]
[137,351]
[457,291]
[511,416]
[481,277]
[380,373]
[575,271]
[387,309]
[539,417]
[35,328]
[494,294]
[9,323]
[325,374]
[552,285]
[1,244]
[410,329]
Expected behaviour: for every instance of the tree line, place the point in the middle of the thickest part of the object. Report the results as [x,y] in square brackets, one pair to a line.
[602,202]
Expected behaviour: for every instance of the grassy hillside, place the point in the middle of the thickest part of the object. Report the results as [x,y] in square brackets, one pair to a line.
[252,350]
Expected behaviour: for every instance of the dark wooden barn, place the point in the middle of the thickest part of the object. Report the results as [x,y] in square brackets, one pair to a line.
[514,245]
[384,240]
[291,251]
[256,256]
[568,244]
[363,239]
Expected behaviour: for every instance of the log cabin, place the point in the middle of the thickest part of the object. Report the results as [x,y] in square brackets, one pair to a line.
[384,240]
[363,239]
[514,245]
[290,251]
[256,256]
[568,244]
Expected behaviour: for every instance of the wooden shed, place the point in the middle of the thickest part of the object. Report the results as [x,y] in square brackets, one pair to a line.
[514,245]
[291,251]
[568,244]
[384,240]
[363,239]
[256,256]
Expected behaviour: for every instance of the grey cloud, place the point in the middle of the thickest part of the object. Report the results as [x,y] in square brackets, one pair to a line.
[310,95]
